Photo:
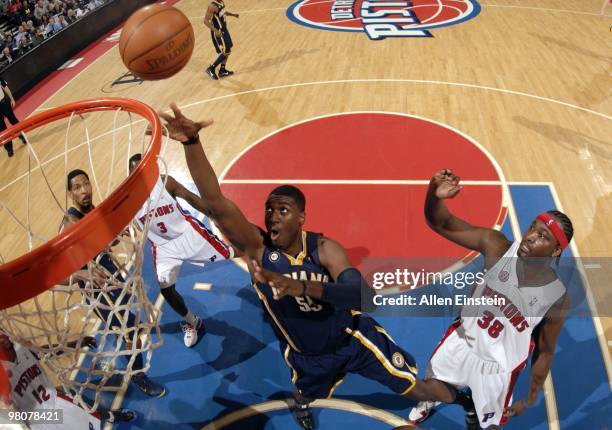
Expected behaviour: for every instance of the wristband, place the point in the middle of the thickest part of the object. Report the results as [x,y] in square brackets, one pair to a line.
[191,140]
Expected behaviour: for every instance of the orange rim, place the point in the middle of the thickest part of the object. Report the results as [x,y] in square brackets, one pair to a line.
[47,265]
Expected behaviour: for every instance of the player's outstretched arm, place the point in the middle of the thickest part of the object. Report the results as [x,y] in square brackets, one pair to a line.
[227,216]
[546,345]
[446,185]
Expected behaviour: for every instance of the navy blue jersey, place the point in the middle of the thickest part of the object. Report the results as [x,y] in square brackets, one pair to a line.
[218,19]
[308,325]
[103,259]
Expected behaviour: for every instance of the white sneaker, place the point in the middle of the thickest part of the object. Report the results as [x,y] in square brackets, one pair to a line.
[191,333]
[421,411]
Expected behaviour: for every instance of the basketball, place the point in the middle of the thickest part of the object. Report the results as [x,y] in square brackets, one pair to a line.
[156,42]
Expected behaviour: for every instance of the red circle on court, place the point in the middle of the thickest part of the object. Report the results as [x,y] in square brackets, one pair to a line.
[365,176]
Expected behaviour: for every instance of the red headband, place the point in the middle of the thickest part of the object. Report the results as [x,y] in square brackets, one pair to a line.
[550,223]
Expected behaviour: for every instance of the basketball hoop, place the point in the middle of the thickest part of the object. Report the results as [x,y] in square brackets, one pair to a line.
[50,319]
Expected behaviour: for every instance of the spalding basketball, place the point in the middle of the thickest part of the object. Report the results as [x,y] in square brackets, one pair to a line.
[156,42]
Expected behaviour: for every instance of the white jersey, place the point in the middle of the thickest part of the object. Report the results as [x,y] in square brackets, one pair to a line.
[502,333]
[169,220]
[32,390]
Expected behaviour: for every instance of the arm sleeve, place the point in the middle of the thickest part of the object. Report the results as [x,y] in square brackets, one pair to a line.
[349,291]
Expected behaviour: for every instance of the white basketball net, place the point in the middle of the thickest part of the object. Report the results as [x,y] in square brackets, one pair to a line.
[113,308]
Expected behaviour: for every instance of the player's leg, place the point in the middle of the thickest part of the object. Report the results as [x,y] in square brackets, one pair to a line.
[10,114]
[492,395]
[228,44]
[111,300]
[168,260]
[375,355]
[118,415]
[73,414]
[447,370]
[8,146]
[314,377]
[219,48]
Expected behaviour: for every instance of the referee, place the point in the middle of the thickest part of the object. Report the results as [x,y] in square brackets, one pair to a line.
[216,21]
[7,103]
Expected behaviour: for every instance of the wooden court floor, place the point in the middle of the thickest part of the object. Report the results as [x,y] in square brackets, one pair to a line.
[531,81]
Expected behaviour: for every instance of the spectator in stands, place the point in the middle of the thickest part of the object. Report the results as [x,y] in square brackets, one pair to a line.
[62,21]
[39,11]
[53,26]
[4,4]
[93,4]
[7,57]
[21,32]
[71,16]
[9,42]
[23,45]
[12,12]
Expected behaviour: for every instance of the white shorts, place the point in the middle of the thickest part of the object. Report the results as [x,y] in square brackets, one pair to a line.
[197,245]
[454,363]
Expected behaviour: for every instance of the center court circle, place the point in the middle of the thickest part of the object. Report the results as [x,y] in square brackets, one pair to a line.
[365,175]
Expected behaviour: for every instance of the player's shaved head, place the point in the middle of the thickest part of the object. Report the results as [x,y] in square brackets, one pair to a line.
[292,192]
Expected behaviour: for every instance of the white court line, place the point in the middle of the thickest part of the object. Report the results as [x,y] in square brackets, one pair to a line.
[349,181]
[279,405]
[601,336]
[343,81]
[544,9]
[548,388]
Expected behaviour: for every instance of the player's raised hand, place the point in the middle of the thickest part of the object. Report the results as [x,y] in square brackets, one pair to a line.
[180,127]
[281,285]
[446,184]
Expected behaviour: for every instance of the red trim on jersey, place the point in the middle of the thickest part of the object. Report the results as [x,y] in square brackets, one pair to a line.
[513,378]
[216,243]
[154,251]
[449,331]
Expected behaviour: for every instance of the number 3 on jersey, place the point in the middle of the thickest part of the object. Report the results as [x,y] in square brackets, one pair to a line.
[307,305]
[162,227]
[485,322]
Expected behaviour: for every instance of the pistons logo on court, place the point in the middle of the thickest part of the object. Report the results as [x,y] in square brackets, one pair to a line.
[380,19]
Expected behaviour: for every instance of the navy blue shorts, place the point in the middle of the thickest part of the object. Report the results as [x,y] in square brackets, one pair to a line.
[367,350]
[223,44]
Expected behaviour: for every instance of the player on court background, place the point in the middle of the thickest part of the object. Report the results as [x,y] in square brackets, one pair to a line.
[222,41]
[177,237]
[310,290]
[31,390]
[80,191]
[488,346]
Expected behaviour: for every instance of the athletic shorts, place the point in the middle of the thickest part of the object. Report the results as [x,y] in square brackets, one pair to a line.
[454,363]
[367,350]
[223,44]
[197,245]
